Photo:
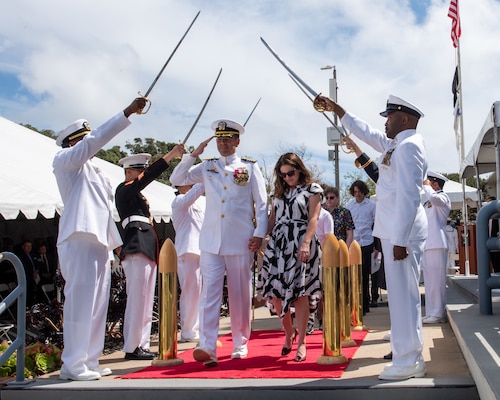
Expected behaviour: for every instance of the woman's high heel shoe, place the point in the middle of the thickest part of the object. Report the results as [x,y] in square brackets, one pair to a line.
[301,354]
[287,350]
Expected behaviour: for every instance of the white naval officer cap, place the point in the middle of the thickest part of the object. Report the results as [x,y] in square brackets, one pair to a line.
[136,161]
[227,128]
[434,176]
[395,103]
[77,129]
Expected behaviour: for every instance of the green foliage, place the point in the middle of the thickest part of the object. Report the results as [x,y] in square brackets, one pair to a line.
[39,359]
[112,155]
[45,132]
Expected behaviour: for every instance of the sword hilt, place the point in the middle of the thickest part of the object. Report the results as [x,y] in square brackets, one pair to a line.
[148,102]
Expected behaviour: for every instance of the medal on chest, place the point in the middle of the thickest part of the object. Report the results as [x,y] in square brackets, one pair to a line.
[241,176]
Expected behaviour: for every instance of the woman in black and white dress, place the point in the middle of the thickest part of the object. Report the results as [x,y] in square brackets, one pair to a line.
[290,274]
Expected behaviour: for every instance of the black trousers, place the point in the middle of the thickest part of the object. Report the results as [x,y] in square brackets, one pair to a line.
[366,267]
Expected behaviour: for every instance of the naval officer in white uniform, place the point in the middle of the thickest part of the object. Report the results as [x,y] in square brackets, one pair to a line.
[87,237]
[188,212]
[400,223]
[437,208]
[235,224]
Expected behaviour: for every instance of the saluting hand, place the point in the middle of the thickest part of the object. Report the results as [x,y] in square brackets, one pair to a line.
[197,152]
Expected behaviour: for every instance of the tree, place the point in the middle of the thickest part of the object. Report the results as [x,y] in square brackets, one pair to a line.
[46,132]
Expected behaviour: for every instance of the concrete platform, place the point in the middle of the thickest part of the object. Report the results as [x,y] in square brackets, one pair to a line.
[458,366]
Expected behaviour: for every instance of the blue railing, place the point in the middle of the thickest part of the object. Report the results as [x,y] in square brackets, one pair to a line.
[19,294]
[484,244]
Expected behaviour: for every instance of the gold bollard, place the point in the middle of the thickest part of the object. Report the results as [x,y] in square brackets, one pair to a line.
[331,310]
[345,297]
[356,286]
[167,288]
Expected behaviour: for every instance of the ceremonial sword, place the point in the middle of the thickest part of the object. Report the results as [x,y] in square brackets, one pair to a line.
[165,65]
[202,109]
[305,85]
[343,132]
[318,107]
[251,112]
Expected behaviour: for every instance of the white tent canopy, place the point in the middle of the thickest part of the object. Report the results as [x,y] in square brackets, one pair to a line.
[482,156]
[28,184]
[454,191]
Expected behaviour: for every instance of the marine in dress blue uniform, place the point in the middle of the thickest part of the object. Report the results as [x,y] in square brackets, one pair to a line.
[139,253]
[235,224]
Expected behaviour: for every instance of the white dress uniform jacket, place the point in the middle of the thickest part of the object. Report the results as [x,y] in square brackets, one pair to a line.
[400,216]
[229,220]
[188,211]
[85,191]
[437,208]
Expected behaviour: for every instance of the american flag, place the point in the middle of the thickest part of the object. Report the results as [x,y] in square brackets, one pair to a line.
[456,31]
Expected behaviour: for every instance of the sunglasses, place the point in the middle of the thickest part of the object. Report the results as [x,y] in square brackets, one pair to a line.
[289,173]
[330,197]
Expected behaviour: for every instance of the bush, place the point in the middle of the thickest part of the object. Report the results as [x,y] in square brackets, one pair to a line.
[39,359]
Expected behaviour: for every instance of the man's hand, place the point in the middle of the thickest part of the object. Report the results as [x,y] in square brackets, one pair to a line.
[197,152]
[323,103]
[254,244]
[177,151]
[400,253]
[137,105]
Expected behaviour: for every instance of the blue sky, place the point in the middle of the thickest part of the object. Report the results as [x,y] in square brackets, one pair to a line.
[89,59]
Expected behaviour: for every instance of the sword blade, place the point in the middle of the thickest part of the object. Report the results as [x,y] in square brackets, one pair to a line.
[253,109]
[202,109]
[305,85]
[171,55]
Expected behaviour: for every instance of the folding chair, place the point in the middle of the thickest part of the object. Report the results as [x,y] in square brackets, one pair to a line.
[48,288]
[5,288]
[4,331]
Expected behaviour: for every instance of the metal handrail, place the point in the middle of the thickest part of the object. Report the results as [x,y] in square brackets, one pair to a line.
[485,243]
[19,294]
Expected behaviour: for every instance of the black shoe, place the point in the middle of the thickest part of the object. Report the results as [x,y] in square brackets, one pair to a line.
[139,354]
[388,356]
[154,353]
[373,304]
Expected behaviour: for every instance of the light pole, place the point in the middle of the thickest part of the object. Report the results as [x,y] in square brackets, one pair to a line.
[333,136]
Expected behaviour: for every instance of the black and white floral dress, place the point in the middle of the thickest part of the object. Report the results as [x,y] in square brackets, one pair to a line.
[282,275]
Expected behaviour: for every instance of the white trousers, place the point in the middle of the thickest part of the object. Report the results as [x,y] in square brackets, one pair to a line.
[86,269]
[238,270]
[404,303]
[140,274]
[434,266]
[188,272]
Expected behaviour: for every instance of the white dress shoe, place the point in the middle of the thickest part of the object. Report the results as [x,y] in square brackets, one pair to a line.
[387,337]
[433,320]
[396,373]
[206,356]
[82,376]
[240,352]
[102,371]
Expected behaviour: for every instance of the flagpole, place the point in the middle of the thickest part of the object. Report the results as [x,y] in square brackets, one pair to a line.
[466,237]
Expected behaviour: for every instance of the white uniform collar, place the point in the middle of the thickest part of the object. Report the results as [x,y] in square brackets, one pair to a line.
[229,159]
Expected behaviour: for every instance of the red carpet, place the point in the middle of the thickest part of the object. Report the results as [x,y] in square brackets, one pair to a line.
[264,361]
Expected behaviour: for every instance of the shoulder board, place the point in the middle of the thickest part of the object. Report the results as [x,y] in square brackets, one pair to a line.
[211,159]
[248,159]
